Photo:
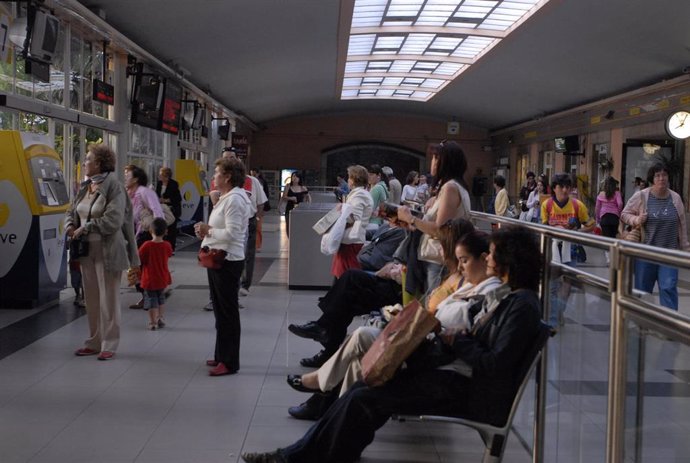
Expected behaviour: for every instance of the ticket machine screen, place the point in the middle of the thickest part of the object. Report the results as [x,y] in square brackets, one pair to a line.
[49,181]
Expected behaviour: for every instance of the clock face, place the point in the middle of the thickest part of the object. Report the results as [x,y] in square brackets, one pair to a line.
[678,125]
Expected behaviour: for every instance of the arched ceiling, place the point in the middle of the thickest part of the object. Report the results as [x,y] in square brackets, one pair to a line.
[272,59]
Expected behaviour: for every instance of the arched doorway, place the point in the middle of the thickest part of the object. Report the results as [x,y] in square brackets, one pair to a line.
[335,160]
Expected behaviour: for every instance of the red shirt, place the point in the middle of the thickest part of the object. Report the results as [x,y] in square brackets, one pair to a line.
[154,265]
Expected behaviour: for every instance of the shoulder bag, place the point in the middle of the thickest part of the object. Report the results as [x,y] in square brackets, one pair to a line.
[79,247]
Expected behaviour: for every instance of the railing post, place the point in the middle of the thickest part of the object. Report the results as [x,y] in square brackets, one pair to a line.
[539,430]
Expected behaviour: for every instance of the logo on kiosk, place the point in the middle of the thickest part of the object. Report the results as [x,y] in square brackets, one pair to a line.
[15,223]
[190,200]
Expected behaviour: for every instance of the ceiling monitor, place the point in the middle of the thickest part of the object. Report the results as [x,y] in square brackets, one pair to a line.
[568,145]
[147,98]
[559,144]
[172,107]
[199,118]
[44,36]
[224,131]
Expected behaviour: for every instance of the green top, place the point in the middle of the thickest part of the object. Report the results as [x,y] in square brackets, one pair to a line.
[379,193]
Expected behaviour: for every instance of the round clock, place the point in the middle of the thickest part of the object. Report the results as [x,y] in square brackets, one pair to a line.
[678,125]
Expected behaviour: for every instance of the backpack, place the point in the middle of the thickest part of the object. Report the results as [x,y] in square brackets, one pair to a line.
[379,251]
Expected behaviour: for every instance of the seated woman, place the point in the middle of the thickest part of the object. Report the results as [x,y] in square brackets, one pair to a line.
[502,332]
[345,366]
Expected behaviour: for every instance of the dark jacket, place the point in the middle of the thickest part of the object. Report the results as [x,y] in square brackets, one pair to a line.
[495,354]
[172,192]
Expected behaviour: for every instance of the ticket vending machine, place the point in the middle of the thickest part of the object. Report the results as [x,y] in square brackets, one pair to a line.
[33,201]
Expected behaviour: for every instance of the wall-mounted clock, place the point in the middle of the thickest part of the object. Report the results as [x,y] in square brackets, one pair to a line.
[678,125]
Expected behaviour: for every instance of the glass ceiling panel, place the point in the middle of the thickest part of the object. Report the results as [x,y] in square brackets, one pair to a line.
[439,38]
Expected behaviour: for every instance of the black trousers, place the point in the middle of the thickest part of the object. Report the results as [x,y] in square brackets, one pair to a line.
[249,254]
[224,286]
[171,235]
[356,292]
[351,422]
[609,225]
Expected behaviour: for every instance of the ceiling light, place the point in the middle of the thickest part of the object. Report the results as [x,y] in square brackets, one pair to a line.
[428,42]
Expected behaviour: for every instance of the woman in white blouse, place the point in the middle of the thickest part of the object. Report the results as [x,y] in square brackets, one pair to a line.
[227,230]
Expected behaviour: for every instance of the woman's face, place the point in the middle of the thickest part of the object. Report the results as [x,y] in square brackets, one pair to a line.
[220,179]
[350,182]
[540,186]
[416,180]
[661,180]
[492,269]
[129,178]
[161,176]
[294,179]
[474,270]
[91,167]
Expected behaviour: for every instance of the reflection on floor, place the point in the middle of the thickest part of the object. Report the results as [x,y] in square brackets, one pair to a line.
[155,402]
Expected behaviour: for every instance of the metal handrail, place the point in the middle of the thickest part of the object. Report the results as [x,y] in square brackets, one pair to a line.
[624,307]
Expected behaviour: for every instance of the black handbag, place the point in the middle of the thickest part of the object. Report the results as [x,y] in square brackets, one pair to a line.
[79,247]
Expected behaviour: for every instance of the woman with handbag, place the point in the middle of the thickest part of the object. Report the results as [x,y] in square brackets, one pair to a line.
[293,194]
[145,206]
[225,235]
[657,212]
[448,166]
[168,192]
[101,217]
[504,329]
[361,207]
[608,209]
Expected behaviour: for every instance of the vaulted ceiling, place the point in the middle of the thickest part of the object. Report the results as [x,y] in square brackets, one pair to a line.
[272,59]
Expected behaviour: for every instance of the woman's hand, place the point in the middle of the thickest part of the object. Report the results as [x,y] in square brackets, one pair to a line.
[201,229]
[70,231]
[78,232]
[404,214]
[640,219]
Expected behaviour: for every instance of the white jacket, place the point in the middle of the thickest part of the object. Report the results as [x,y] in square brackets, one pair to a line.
[362,207]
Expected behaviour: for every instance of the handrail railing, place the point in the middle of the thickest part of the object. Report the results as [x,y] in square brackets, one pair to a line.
[624,307]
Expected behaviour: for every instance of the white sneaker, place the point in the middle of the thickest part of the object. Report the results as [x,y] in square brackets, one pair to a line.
[244,292]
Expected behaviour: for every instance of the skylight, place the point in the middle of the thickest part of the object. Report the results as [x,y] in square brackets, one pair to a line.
[412,49]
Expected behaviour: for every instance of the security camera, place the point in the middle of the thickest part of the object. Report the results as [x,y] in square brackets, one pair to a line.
[686,70]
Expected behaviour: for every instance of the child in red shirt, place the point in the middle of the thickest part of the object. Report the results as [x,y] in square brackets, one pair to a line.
[155,276]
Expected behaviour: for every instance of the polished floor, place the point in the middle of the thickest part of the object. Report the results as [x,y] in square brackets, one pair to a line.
[156,403]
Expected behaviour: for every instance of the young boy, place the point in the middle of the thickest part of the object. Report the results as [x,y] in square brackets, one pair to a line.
[155,276]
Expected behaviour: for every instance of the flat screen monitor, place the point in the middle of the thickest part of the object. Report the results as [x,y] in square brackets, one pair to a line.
[559,144]
[572,144]
[147,99]
[172,106]
[199,117]
[44,36]
[224,131]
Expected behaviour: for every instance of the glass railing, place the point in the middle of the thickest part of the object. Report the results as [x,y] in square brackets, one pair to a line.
[614,385]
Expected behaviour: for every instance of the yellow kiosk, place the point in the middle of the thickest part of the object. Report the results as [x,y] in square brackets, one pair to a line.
[33,201]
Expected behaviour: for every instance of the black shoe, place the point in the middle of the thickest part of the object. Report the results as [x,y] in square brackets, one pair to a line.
[310,330]
[317,360]
[295,382]
[305,411]
[268,457]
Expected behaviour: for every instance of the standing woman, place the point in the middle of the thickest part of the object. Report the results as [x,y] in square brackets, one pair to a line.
[658,211]
[534,202]
[145,208]
[227,230]
[294,194]
[168,192]
[101,213]
[354,236]
[409,192]
[609,207]
[448,166]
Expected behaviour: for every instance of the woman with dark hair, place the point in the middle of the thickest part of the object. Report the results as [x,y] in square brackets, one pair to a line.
[294,194]
[503,328]
[101,214]
[659,213]
[227,230]
[409,192]
[145,208]
[608,209]
[448,166]
[463,248]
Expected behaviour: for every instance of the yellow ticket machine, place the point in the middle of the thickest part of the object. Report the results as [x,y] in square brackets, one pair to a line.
[33,201]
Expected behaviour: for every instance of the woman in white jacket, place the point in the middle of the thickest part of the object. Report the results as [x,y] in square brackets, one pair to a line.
[227,230]
[362,206]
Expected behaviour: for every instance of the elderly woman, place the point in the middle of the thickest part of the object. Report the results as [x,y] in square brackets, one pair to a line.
[146,207]
[503,330]
[226,230]
[101,214]
[659,213]
[354,236]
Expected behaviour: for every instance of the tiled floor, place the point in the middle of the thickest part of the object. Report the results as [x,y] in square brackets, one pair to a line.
[156,403]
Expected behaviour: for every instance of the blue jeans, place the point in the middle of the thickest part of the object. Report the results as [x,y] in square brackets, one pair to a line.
[647,273]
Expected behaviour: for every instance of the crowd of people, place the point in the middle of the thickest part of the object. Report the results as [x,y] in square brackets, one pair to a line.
[480,287]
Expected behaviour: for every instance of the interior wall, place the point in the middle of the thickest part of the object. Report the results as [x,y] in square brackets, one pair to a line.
[299,142]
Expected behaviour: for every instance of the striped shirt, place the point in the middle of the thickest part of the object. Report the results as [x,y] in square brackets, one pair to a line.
[662,227]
